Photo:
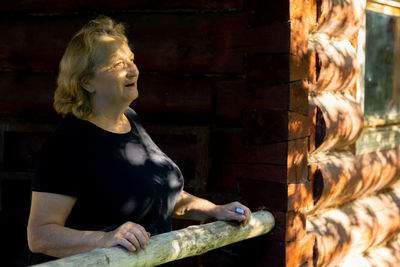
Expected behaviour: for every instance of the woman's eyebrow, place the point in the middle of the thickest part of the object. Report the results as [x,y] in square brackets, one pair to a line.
[120,56]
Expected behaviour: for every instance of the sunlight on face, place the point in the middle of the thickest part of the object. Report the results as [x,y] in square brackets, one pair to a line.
[113,53]
[116,75]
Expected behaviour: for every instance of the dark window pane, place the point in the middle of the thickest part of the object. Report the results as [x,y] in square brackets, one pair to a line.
[381,88]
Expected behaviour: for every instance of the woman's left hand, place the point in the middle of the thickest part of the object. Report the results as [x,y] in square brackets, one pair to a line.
[231,212]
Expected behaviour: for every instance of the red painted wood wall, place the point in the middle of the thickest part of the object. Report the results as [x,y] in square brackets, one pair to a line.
[222,89]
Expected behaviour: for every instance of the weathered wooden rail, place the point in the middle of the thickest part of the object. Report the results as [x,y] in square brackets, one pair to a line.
[192,241]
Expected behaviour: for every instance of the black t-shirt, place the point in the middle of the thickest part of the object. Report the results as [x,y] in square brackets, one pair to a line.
[115,177]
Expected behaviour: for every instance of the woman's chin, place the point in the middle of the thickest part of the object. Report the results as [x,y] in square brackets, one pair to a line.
[134,94]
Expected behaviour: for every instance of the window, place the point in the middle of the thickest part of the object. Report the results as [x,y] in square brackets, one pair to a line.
[382,68]
[380,88]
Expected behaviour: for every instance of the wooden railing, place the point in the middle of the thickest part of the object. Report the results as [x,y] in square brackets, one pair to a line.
[171,246]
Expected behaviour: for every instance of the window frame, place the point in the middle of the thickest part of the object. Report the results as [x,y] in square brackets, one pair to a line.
[380,132]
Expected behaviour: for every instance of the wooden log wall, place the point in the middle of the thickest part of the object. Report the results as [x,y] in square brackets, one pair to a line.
[386,255]
[283,190]
[337,65]
[342,177]
[355,227]
[334,127]
[355,212]
[226,79]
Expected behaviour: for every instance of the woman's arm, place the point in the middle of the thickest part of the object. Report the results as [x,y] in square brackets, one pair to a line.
[199,209]
[48,235]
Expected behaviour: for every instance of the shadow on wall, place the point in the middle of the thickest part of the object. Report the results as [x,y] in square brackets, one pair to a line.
[355,226]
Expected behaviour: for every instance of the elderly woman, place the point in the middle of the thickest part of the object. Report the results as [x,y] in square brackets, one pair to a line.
[100,180]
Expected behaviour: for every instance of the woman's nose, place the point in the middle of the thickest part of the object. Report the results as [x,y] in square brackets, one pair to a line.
[133,71]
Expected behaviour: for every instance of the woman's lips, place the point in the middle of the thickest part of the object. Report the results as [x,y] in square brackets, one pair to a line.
[130,84]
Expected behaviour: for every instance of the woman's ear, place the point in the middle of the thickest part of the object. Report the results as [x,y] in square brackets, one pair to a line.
[85,83]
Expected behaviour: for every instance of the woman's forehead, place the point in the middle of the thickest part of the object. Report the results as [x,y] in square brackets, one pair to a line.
[111,48]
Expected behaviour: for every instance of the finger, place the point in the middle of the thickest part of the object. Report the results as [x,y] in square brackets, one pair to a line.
[139,227]
[139,232]
[233,215]
[133,240]
[146,235]
[247,214]
[241,206]
[246,221]
[243,210]
[143,239]
[126,244]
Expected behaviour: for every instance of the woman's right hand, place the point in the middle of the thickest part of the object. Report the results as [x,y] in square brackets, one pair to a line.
[130,235]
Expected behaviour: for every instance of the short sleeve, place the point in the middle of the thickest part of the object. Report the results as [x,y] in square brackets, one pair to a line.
[132,115]
[58,168]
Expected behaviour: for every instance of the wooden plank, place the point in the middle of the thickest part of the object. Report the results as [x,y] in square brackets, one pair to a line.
[344,177]
[299,125]
[299,30]
[276,196]
[299,67]
[262,12]
[298,97]
[381,120]
[300,197]
[232,96]
[170,93]
[265,70]
[229,147]
[341,122]
[378,139]
[289,226]
[390,8]
[188,43]
[338,66]
[262,126]
[390,3]
[264,195]
[261,251]
[301,9]
[211,43]
[167,247]
[229,174]
[304,10]
[297,169]
[258,39]
[340,19]
[355,227]
[26,92]
[44,6]
[300,252]
[171,43]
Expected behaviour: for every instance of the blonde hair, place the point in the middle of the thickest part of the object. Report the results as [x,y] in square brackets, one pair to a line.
[78,65]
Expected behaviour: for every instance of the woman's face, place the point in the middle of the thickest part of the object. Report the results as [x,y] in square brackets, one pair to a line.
[115,80]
